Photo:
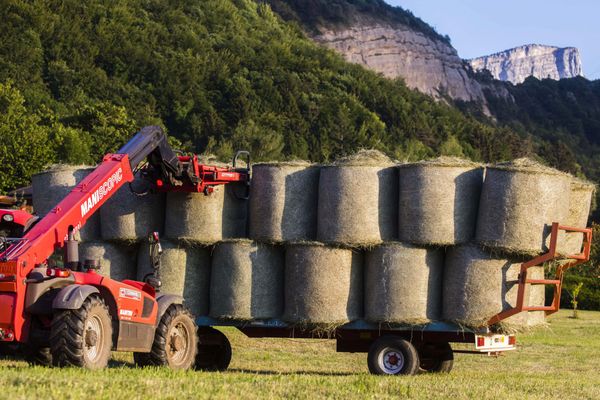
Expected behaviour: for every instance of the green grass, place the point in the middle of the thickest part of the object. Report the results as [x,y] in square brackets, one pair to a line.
[562,362]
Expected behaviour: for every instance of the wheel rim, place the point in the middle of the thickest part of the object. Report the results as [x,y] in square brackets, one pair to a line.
[93,338]
[391,361]
[177,343]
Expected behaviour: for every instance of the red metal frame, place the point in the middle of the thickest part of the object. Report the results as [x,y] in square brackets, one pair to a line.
[575,259]
[207,177]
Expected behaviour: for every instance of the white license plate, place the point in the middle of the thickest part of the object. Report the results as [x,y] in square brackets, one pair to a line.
[495,343]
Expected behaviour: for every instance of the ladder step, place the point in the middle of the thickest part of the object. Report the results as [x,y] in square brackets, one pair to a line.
[543,281]
[539,308]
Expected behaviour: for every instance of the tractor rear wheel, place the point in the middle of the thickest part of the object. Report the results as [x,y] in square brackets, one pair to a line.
[82,337]
[175,341]
[36,355]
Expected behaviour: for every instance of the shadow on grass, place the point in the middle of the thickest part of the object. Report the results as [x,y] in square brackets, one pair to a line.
[263,372]
[121,364]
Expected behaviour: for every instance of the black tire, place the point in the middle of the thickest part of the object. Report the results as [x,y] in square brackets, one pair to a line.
[437,357]
[392,355]
[175,341]
[214,350]
[82,337]
[35,355]
[10,349]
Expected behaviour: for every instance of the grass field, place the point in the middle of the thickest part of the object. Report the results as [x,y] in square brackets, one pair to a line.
[562,361]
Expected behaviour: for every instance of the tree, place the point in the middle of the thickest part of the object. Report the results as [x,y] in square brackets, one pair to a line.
[24,144]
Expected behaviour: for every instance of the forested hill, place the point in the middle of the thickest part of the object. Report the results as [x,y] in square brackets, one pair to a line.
[564,113]
[344,13]
[78,78]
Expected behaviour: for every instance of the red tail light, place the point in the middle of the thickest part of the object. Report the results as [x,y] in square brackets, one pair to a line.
[480,341]
[58,272]
[512,340]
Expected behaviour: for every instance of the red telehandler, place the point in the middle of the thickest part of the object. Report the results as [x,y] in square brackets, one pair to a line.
[74,316]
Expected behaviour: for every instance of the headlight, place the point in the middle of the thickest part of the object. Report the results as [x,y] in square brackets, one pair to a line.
[8,218]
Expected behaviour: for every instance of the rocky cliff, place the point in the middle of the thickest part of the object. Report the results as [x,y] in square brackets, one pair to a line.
[425,62]
[515,65]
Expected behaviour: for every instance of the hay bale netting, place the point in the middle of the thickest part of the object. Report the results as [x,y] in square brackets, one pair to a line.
[323,285]
[580,203]
[198,218]
[185,271]
[129,217]
[358,200]
[50,187]
[519,202]
[283,201]
[439,201]
[246,281]
[477,286]
[117,261]
[403,284]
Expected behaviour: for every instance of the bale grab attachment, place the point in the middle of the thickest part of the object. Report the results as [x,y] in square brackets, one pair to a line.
[523,281]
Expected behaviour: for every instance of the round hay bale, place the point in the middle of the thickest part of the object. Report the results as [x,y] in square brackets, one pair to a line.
[50,187]
[201,219]
[117,261]
[477,286]
[403,284]
[247,281]
[283,201]
[184,271]
[358,201]
[439,200]
[580,203]
[519,202]
[323,285]
[129,217]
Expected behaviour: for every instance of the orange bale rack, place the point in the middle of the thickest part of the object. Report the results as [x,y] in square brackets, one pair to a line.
[574,259]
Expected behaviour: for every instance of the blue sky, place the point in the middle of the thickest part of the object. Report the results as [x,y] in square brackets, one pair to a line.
[481,27]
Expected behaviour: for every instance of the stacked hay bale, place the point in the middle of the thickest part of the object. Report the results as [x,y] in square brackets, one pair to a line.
[323,285]
[283,201]
[439,201]
[519,202]
[403,284]
[358,200]
[117,261]
[206,219]
[51,186]
[580,203]
[128,217]
[185,271]
[478,285]
[246,281]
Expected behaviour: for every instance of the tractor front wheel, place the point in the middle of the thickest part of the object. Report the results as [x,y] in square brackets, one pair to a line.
[82,337]
[175,341]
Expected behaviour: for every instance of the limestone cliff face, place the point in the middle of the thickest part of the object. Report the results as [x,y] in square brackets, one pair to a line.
[516,65]
[425,63]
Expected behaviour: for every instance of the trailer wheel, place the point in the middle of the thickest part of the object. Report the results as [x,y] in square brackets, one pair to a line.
[175,341]
[214,350]
[437,357]
[391,355]
[82,337]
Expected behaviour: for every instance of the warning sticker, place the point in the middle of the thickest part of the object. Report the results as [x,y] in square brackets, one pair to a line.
[129,294]
[126,313]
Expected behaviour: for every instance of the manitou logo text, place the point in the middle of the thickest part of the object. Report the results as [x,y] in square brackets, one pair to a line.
[102,191]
